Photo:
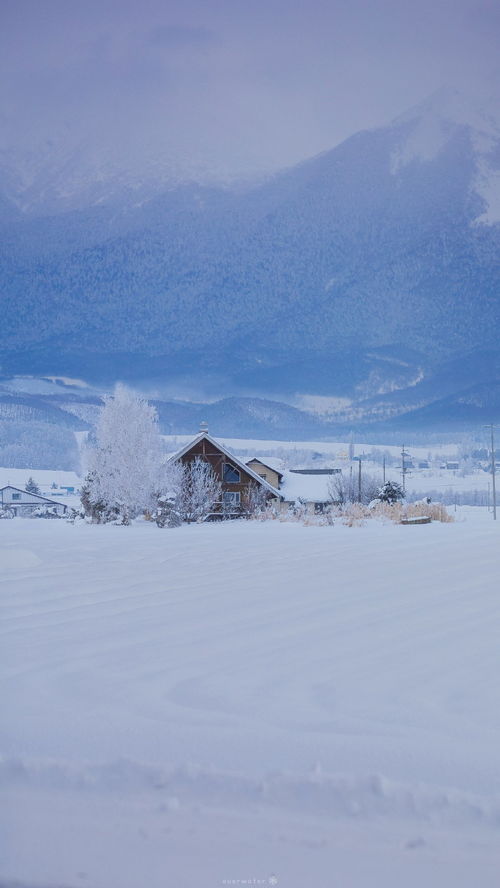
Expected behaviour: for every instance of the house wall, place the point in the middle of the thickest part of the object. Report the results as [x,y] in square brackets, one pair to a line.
[9,495]
[271,476]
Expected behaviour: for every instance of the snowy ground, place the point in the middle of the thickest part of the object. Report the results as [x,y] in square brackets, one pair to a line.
[239,703]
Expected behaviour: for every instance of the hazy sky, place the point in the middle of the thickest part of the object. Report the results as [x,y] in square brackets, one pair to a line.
[241,85]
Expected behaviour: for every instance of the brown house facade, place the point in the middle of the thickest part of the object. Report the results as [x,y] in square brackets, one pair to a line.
[239,482]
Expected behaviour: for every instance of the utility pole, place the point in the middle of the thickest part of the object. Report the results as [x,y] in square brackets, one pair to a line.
[404,470]
[491,427]
[359,479]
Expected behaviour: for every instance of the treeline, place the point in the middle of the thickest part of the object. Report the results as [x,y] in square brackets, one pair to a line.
[37,445]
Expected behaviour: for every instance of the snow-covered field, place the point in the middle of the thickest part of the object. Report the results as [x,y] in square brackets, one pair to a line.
[250,702]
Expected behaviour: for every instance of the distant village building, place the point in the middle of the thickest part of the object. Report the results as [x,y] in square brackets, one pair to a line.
[23,504]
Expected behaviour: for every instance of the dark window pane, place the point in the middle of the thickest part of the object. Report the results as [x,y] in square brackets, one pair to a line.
[231,474]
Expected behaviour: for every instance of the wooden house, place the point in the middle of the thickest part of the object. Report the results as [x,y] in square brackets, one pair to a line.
[238,480]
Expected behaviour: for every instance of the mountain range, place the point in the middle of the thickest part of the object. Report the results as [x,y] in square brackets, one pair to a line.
[367,277]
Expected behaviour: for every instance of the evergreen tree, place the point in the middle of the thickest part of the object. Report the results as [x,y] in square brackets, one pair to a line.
[391,492]
[31,486]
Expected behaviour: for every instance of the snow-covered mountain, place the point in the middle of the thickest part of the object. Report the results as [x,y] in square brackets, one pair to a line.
[427,129]
[63,169]
[359,274]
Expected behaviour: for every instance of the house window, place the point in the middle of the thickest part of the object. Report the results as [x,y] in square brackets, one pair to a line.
[264,476]
[16,496]
[231,474]
[231,498]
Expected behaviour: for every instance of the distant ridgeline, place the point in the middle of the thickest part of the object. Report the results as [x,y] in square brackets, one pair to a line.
[369,273]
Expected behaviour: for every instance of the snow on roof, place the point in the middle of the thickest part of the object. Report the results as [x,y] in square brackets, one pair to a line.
[311,488]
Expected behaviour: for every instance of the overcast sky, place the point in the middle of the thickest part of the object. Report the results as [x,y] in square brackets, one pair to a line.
[245,85]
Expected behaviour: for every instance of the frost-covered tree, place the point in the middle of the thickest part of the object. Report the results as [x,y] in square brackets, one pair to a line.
[391,492]
[125,465]
[200,490]
[256,501]
[31,486]
[343,488]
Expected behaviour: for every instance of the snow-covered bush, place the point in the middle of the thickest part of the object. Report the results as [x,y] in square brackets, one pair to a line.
[168,497]
[167,513]
[5,512]
[391,492]
[256,505]
[45,512]
[126,463]
[297,511]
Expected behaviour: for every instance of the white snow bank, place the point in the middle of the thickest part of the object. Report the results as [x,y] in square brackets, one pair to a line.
[315,794]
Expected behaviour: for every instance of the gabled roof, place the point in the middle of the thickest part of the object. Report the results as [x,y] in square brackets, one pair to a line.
[38,496]
[231,457]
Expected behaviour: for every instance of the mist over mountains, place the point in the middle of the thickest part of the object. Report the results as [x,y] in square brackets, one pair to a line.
[368,275]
